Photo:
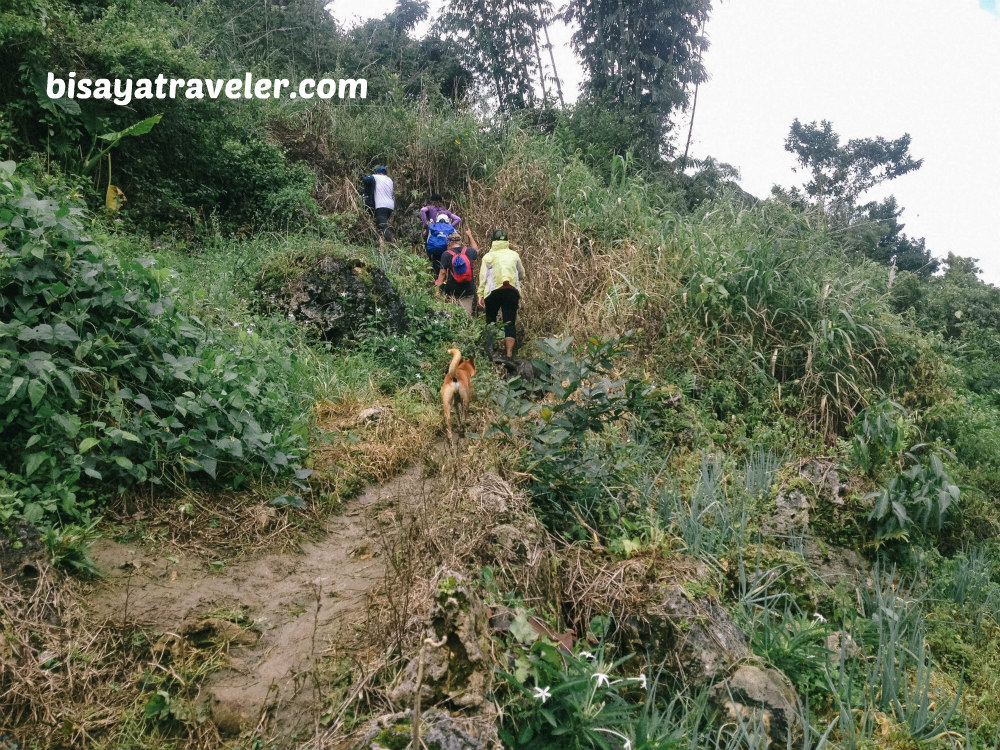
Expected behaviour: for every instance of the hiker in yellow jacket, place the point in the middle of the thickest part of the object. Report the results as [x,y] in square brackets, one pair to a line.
[500,274]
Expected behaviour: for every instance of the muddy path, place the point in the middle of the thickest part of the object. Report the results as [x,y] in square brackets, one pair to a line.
[299,603]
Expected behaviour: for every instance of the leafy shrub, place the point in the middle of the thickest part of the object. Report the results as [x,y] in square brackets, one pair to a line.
[584,441]
[918,499]
[879,435]
[105,381]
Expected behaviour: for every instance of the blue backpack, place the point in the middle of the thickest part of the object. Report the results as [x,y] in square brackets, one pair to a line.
[437,237]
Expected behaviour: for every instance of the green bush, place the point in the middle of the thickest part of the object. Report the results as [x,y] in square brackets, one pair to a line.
[105,382]
[585,443]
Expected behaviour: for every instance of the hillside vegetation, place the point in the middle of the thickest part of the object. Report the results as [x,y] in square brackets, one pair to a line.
[749,495]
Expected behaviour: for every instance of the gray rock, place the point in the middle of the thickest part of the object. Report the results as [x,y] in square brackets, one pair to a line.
[823,476]
[455,669]
[840,641]
[791,514]
[373,414]
[837,564]
[437,730]
[339,298]
[753,692]
[694,637]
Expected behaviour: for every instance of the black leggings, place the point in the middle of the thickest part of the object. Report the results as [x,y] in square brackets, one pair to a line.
[503,300]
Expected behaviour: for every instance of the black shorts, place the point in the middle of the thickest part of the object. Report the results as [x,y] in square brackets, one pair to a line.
[459,289]
[504,301]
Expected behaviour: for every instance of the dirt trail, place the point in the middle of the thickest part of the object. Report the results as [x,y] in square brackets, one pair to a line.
[299,603]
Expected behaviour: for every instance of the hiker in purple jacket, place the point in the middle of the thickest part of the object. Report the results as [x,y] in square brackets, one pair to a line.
[430,212]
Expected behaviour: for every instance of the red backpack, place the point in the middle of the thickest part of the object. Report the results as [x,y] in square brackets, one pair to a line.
[461,267]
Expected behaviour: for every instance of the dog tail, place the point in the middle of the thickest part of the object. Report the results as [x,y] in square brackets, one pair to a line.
[456,358]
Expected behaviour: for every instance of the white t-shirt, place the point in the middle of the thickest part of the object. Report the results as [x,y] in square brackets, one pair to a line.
[383,192]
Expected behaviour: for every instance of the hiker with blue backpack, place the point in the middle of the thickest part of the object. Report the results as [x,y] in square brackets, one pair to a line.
[437,241]
[430,212]
[455,275]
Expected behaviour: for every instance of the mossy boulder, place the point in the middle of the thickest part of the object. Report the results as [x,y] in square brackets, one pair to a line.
[339,298]
[22,552]
[755,691]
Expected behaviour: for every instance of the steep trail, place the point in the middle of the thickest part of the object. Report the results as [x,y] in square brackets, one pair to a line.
[300,603]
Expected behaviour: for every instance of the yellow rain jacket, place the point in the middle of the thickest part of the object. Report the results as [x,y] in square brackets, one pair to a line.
[499,266]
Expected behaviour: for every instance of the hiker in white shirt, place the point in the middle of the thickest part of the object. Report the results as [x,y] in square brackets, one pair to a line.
[378,199]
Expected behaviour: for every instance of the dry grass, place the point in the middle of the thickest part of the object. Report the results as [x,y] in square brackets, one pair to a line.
[207,524]
[65,682]
[454,518]
[357,450]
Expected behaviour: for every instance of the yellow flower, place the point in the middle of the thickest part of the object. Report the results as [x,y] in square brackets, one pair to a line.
[458,142]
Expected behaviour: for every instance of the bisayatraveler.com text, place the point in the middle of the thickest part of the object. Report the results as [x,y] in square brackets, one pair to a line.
[123,91]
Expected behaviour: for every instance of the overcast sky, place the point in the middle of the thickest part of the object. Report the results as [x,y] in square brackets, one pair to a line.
[930,68]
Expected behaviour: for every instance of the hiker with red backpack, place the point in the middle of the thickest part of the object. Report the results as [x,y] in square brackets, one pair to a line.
[455,275]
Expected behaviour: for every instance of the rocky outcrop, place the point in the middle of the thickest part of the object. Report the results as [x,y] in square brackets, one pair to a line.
[22,552]
[451,667]
[753,694]
[437,730]
[704,642]
[690,633]
[337,297]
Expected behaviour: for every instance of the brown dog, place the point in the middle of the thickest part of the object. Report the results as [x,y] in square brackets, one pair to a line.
[457,388]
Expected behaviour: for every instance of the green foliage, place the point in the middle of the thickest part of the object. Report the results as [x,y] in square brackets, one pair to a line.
[918,499]
[69,547]
[581,451]
[767,300]
[568,700]
[641,59]
[795,643]
[106,382]
[878,435]
[710,522]
[205,157]
[897,677]
[840,175]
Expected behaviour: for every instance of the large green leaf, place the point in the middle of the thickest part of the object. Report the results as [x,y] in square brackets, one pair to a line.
[140,128]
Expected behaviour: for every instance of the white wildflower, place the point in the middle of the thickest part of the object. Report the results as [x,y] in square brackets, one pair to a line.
[542,694]
[586,655]
[628,742]
[602,679]
[641,679]
[818,617]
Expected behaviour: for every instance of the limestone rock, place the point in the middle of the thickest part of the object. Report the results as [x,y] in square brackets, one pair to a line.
[823,476]
[840,641]
[339,298]
[373,414]
[455,668]
[694,636]
[754,690]
[795,497]
[791,514]
[837,564]
[437,730]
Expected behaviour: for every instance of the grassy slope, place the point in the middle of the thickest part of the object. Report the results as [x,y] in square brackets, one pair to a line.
[753,314]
